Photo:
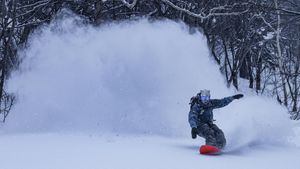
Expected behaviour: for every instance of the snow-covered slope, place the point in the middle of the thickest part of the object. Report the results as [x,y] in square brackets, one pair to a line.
[117,97]
[81,151]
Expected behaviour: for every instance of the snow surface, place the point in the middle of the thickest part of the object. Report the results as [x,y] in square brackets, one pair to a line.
[117,96]
[82,151]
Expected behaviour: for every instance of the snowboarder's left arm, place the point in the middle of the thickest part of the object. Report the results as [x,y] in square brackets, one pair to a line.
[219,103]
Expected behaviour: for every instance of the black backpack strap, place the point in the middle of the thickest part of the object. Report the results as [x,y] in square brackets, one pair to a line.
[193,101]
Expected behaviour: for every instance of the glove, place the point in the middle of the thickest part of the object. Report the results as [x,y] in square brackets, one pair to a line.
[238,96]
[194,132]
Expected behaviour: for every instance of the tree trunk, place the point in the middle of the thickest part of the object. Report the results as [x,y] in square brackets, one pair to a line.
[244,72]
[258,74]
[226,63]
[250,72]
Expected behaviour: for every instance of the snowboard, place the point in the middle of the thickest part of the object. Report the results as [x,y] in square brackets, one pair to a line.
[209,150]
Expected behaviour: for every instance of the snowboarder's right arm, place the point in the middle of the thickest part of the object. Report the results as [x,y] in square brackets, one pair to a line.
[193,116]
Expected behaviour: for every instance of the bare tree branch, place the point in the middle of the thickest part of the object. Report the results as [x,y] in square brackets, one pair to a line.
[34,5]
[129,5]
[203,16]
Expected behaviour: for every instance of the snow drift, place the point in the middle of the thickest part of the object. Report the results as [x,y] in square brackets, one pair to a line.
[128,78]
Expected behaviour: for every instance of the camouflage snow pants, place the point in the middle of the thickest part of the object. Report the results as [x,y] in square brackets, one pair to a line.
[212,134]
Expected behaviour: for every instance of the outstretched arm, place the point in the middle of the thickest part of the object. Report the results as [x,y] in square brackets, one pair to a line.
[219,103]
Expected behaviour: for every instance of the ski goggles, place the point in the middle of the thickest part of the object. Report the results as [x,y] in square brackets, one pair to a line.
[204,98]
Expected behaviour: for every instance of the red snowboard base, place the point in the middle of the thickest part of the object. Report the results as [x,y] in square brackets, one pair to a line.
[209,150]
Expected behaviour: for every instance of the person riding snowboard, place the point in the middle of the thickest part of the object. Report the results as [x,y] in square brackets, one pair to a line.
[201,117]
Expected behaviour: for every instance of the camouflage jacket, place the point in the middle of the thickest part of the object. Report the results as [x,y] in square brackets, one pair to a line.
[203,113]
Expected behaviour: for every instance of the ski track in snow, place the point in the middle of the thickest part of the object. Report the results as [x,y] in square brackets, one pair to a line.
[131,79]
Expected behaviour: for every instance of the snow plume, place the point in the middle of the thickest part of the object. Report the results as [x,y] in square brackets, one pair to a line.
[131,77]
[254,121]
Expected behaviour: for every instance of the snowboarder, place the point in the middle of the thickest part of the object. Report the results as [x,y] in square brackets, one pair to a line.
[201,117]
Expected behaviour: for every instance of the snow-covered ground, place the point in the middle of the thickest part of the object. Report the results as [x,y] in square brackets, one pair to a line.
[117,97]
[80,151]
